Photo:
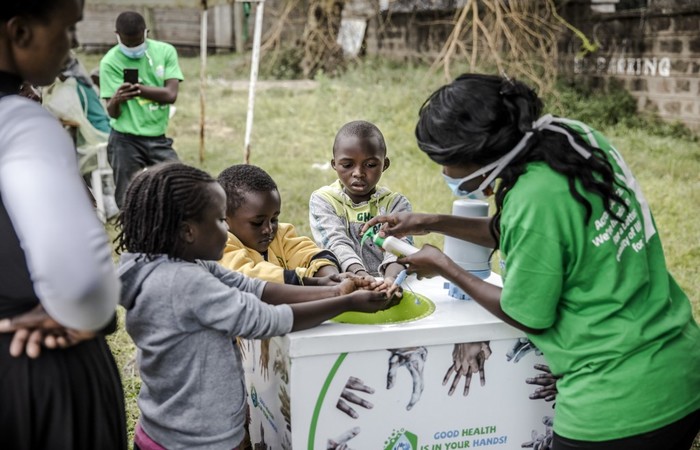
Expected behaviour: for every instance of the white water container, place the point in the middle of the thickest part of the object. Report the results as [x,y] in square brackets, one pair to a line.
[471,257]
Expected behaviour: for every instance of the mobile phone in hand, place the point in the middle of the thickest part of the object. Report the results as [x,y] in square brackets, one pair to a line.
[131,76]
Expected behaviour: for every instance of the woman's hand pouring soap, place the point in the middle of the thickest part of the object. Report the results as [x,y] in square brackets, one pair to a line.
[389,243]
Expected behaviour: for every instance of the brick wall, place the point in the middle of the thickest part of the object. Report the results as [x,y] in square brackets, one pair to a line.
[654,52]
[407,29]
[415,35]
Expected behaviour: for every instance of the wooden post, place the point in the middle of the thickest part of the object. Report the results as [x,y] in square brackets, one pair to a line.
[223,27]
[150,22]
[203,32]
[257,36]
[238,20]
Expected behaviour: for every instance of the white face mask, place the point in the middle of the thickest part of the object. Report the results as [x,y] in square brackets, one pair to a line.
[134,52]
[455,183]
[545,122]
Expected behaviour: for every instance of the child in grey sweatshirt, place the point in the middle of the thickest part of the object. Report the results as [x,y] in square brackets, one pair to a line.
[184,310]
[338,212]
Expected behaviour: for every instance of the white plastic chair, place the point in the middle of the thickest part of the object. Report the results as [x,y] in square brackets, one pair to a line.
[99,177]
[62,100]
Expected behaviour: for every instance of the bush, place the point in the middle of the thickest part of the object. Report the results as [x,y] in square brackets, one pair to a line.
[283,63]
[612,106]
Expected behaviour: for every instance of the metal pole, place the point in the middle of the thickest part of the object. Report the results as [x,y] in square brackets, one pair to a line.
[202,76]
[253,78]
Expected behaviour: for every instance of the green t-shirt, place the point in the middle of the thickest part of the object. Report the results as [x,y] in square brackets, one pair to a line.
[616,325]
[140,116]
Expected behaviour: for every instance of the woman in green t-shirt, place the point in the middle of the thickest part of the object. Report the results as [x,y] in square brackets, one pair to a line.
[583,269]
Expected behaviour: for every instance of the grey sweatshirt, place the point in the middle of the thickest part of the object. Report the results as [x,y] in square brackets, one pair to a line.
[183,317]
[336,223]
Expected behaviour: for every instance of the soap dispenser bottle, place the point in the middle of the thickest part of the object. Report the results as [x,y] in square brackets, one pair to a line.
[390,244]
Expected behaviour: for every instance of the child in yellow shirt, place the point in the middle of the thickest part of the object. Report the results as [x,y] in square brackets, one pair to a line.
[258,244]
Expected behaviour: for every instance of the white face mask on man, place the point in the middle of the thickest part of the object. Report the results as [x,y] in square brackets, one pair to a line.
[134,52]
[546,122]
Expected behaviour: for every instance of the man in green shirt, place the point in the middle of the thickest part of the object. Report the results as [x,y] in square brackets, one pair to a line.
[139,108]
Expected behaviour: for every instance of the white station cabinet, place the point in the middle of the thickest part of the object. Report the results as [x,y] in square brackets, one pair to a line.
[455,379]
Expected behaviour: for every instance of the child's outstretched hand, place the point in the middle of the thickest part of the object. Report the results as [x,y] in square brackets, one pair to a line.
[372,301]
[328,280]
[387,285]
[354,283]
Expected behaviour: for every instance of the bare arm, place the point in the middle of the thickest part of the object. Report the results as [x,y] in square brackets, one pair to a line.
[324,276]
[430,261]
[472,229]
[310,314]
[326,271]
[392,270]
[390,274]
[485,294]
[125,92]
[277,294]
[166,95]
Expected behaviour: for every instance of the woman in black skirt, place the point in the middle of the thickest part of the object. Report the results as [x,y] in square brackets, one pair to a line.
[59,385]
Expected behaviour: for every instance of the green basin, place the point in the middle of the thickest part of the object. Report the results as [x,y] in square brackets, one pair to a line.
[407,310]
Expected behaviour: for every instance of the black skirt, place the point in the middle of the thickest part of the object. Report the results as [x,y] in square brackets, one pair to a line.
[65,399]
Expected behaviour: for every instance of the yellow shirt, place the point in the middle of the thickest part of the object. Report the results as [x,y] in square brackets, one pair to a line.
[287,251]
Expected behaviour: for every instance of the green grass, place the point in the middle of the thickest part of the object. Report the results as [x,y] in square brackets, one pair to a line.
[294,129]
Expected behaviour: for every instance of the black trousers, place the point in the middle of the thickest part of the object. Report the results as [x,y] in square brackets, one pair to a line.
[68,399]
[129,154]
[676,436]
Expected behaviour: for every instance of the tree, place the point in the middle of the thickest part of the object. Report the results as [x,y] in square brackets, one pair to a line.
[519,38]
[321,49]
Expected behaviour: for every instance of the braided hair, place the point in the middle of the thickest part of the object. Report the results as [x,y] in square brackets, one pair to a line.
[479,118]
[240,179]
[156,203]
